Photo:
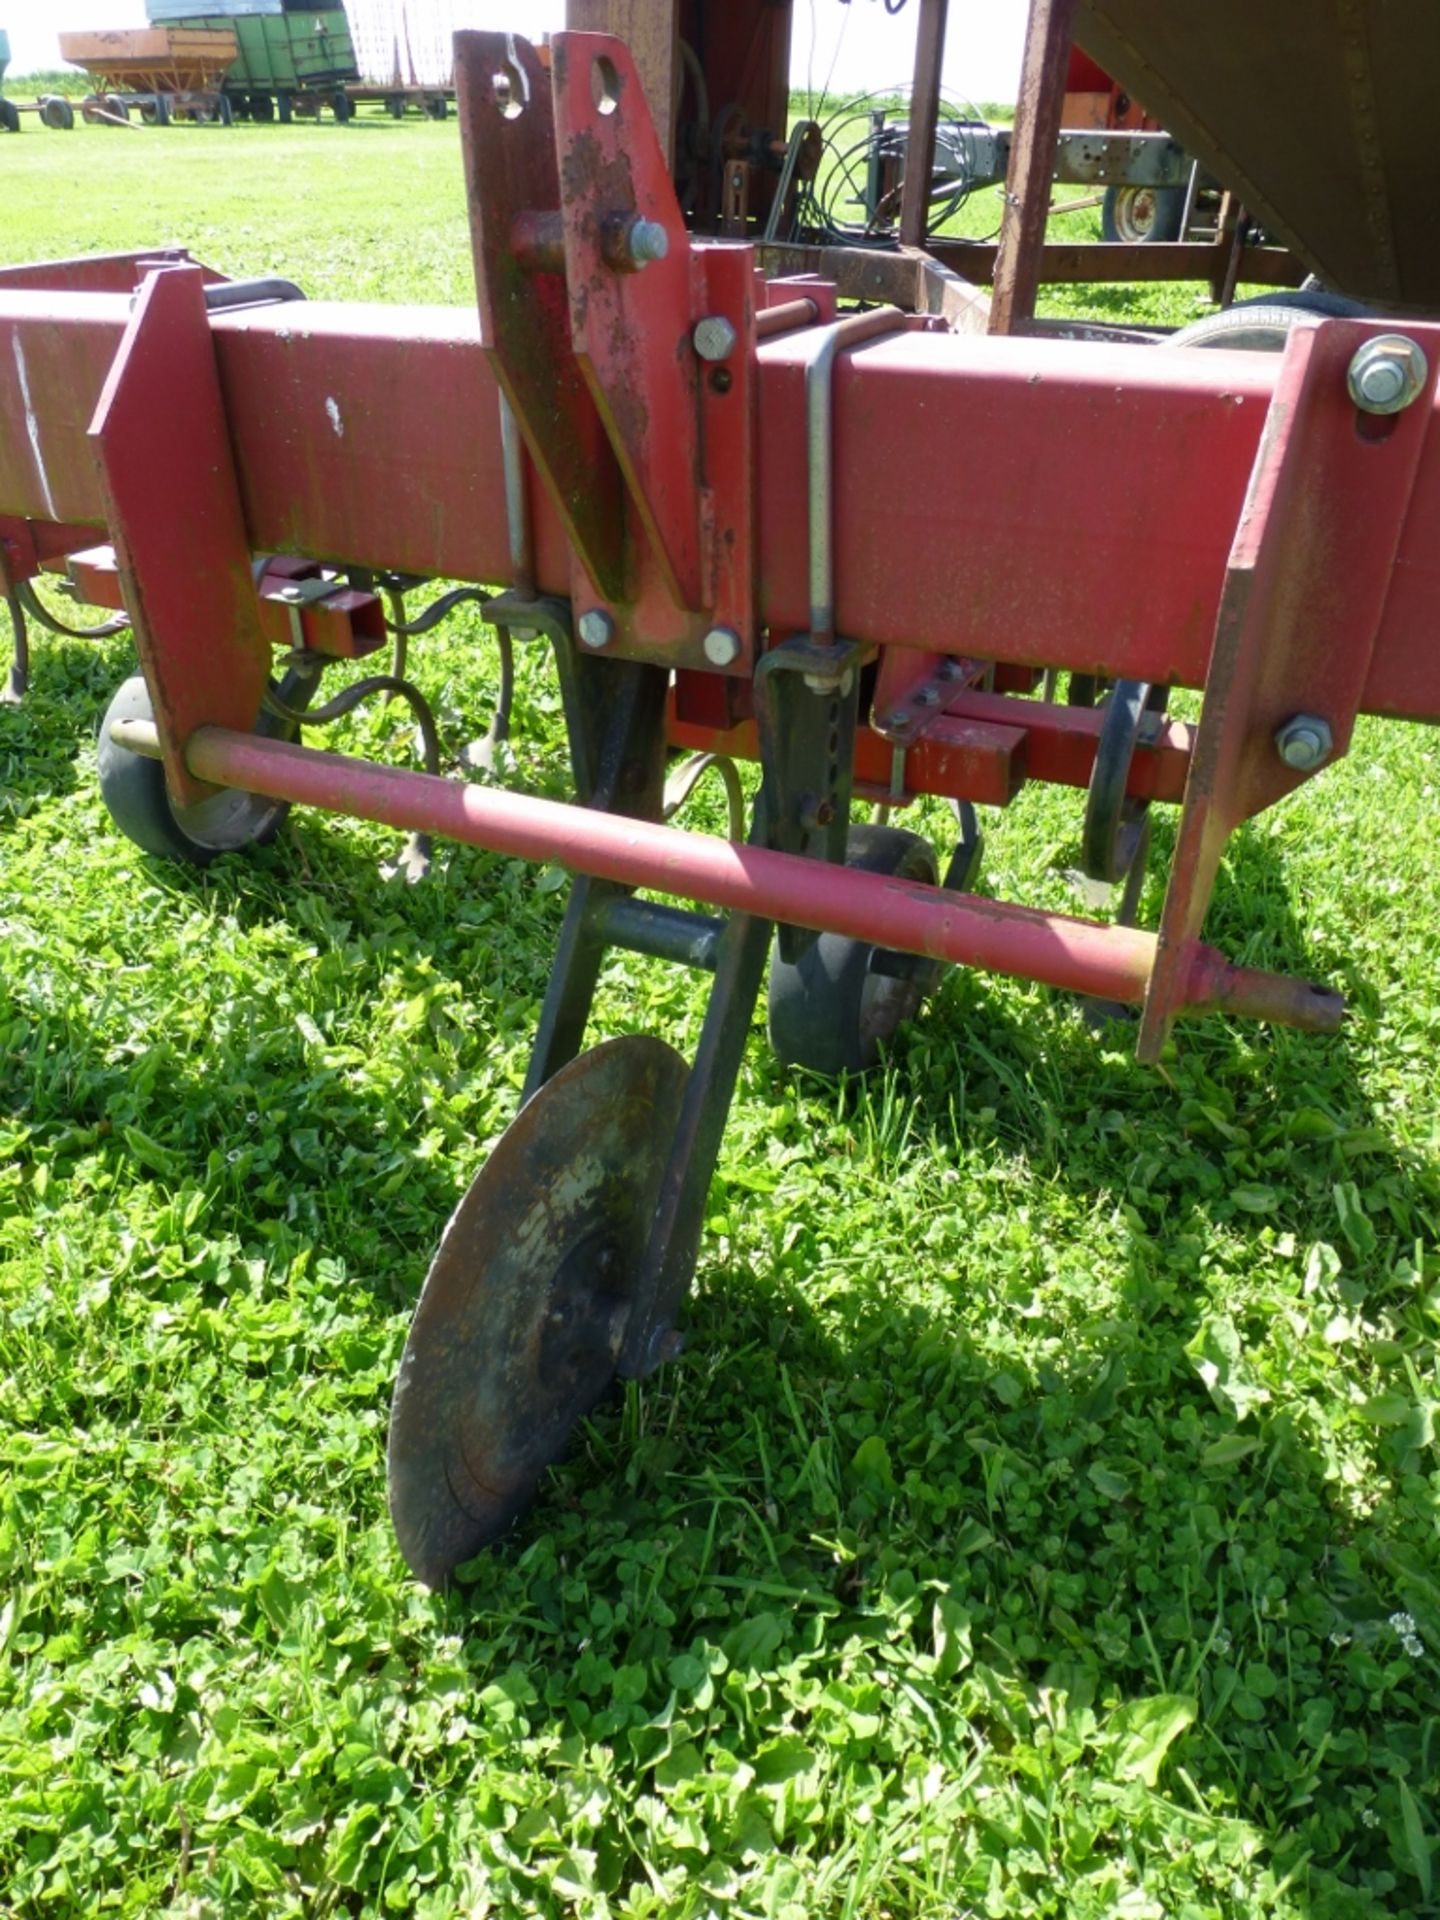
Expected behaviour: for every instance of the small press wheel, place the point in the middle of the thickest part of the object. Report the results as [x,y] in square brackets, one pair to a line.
[831,1010]
[133,788]
[524,1309]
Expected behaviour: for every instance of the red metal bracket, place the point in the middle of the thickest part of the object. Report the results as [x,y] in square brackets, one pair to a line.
[507,131]
[28,547]
[630,317]
[173,506]
[1304,595]
[100,272]
[302,605]
[589,291]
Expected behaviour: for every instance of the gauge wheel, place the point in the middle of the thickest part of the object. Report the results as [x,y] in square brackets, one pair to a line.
[831,1010]
[138,801]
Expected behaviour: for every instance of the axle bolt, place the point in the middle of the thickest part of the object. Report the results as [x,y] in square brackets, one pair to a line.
[1386,374]
[722,646]
[645,240]
[1305,742]
[596,628]
[714,337]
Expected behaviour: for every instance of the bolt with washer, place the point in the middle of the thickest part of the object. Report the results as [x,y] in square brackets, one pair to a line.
[1386,374]
[721,646]
[714,337]
[596,628]
[1305,742]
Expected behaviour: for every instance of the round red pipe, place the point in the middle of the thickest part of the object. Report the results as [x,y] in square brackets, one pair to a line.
[1078,956]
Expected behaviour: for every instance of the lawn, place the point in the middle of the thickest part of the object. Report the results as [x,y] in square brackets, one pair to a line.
[1041,1521]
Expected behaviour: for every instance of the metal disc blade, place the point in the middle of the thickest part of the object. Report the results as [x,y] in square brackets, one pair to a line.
[521,1315]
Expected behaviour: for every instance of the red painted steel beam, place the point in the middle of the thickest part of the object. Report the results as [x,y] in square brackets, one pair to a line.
[1077,509]
[983,748]
[1077,956]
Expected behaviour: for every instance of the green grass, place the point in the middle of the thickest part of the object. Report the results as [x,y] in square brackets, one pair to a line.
[1042,1521]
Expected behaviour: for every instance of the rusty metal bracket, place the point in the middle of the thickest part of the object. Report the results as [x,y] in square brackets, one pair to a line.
[176,520]
[627,272]
[1304,593]
[504,103]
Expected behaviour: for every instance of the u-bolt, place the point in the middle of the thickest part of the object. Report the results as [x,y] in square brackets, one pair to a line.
[819,425]
[517,517]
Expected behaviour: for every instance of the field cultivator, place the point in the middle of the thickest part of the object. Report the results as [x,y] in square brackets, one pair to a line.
[860,548]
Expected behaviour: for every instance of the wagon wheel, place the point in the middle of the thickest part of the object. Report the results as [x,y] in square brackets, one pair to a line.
[57,113]
[137,800]
[262,108]
[9,116]
[523,1310]
[1133,215]
[830,1010]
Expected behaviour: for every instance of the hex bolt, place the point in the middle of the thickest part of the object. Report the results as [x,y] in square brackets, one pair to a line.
[1305,742]
[596,628]
[1387,374]
[722,646]
[714,337]
[928,697]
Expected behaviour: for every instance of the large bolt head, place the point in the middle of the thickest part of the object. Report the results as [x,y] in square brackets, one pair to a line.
[714,337]
[1387,374]
[596,628]
[721,646]
[1305,742]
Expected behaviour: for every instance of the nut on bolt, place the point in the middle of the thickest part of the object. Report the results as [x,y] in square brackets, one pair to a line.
[1305,742]
[596,628]
[1386,374]
[714,337]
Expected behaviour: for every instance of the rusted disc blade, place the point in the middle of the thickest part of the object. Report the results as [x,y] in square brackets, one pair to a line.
[522,1312]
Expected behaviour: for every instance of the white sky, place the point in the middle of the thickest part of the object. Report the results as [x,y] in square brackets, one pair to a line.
[855,47]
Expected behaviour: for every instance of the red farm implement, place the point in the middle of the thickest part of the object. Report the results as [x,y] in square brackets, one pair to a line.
[698,483]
